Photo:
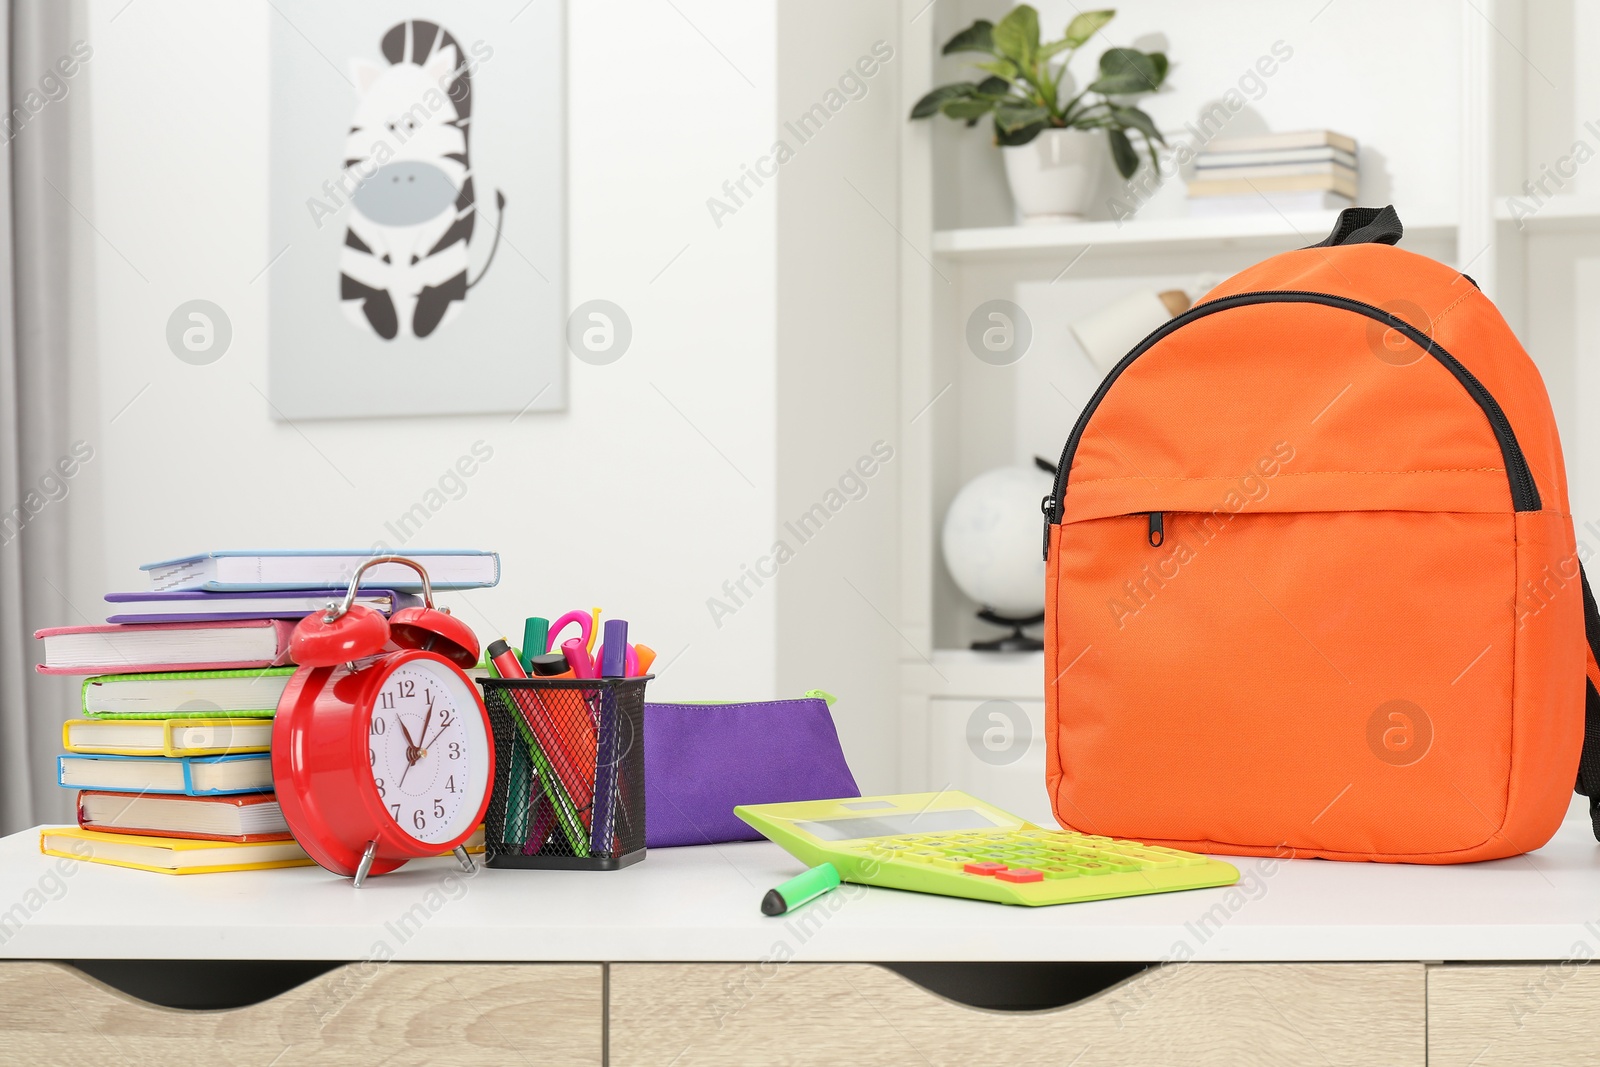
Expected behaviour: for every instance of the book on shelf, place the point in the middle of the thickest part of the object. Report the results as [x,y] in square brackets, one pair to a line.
[1279,142]
[1285,170]
[245,818]
[1267,204]
[158,647]
[322,569]
[194,775]
[1204,187]
[166,737]
[1210,158]
[169,855]
[186,694]
[199,605]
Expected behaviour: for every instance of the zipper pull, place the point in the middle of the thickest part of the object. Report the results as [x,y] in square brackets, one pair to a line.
[1158,529]
[1047,505]
[820,694]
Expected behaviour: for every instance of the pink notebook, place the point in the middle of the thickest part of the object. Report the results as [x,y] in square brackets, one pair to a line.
[167,646]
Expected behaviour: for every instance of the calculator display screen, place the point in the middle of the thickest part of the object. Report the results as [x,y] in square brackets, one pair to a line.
[925,822]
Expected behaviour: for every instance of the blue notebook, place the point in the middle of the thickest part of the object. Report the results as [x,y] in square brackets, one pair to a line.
[255,569]
[194,776]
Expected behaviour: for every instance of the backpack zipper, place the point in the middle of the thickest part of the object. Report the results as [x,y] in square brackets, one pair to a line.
[1524,493]
[1158,530]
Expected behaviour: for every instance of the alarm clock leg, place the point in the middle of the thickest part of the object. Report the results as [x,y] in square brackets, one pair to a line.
[466,860]
[366,863]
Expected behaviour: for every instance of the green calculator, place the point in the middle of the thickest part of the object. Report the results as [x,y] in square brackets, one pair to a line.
[958,846]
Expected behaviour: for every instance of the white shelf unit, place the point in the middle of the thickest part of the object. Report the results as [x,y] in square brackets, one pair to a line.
[1504,94]
[1266,232]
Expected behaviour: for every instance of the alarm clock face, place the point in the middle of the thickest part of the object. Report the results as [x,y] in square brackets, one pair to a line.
[429,751]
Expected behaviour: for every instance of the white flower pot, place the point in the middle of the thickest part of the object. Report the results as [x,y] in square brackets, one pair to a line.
[1054,177]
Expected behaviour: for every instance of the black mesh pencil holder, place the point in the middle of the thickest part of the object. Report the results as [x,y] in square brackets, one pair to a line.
[569,773]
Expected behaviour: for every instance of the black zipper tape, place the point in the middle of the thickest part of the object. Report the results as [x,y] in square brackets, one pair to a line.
[1524,493]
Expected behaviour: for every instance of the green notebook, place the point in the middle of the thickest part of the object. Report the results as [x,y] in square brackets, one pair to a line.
[186,694]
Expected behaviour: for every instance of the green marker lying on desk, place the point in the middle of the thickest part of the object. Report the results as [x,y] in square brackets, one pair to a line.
[801,889]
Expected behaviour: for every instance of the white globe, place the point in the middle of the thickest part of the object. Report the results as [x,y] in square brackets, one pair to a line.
[993,534]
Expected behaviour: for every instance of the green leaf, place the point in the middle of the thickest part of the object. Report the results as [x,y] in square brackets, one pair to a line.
[1122,153]
[1011,118]
[1003,69]
[994,87]
[1016,37]
[1054,48]
[1134,119]
[1126,70]
[1018,137]
[1086,25]
[971,108]
[1160,60]
[932,102]
[978,37]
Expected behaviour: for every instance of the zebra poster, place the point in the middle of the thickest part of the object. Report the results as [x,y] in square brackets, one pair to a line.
[417,166]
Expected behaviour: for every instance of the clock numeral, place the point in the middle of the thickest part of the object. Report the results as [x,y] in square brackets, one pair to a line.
[427,694]
[386,700]
[408,688]
[445,718]
[418,820]
[372,758]
[455,750]
[450,785]
[438,807]
[379,781]
[394,809]
[377,726]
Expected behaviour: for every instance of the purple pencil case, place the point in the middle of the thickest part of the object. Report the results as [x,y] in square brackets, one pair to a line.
[701,760]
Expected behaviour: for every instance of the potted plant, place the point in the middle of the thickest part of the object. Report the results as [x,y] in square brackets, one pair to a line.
[1052,146]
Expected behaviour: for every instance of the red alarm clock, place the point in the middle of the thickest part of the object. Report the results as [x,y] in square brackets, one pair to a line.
[381,749]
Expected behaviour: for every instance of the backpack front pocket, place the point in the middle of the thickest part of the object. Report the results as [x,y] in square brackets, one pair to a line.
[1335,683]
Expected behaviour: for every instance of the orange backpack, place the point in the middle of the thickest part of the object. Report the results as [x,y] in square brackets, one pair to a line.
[1312,586]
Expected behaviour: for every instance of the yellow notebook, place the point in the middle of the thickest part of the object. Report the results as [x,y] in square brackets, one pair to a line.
[171,855]
[166,737]
[168,855]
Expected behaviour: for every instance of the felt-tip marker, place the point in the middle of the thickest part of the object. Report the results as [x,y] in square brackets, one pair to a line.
[801,889]
[504,658]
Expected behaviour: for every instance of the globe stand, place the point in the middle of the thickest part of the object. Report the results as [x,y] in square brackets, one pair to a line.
[1016,640]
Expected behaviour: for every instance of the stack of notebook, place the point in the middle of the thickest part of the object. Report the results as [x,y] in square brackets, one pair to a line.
[1309,170]
[170,756]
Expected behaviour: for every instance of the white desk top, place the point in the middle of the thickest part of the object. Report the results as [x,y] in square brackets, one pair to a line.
[697,904]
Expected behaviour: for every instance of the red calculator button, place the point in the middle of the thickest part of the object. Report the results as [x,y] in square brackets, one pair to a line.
[984,868]
[1020,874]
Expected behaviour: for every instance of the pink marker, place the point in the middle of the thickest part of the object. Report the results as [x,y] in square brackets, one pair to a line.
[578,658]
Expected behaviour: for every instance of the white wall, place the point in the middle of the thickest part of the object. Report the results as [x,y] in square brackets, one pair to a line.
[840,437]
[732,411]
[649,519]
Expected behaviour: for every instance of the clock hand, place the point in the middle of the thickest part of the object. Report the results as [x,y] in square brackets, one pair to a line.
[436,734]
[411,745]
[424,733]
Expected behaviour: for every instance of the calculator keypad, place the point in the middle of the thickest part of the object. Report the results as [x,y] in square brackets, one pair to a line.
[1022,857]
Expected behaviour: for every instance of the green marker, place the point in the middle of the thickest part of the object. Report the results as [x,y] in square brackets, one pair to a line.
[535,636]
[800,890]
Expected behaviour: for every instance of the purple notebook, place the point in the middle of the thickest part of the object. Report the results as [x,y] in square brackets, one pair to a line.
[194,605]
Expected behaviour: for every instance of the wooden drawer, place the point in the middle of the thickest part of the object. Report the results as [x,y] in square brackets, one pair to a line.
[1233,1014]
[436,1014]
[1514,1014]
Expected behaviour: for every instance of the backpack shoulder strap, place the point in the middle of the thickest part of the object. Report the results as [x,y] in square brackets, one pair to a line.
[1589,762]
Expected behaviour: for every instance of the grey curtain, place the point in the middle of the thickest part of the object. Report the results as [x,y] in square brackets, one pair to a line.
[35,431]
